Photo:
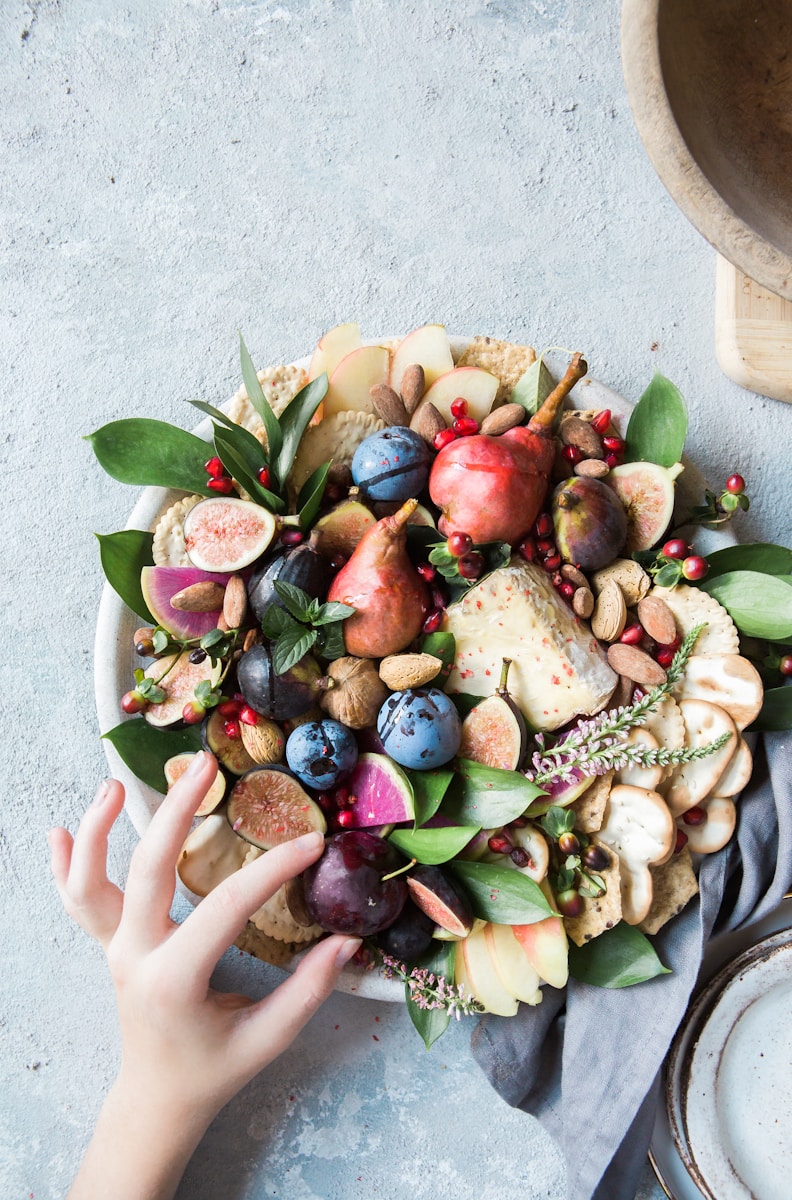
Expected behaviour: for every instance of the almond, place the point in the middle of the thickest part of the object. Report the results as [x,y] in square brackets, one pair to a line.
[388,405]
[399,671]
[575,432]
[592,468]
[610,613]
[657,619]
[508,416]
[628,574]
[427,422]
[636,665]
[235,602]
[574,575]
[413,384]
[199,597]
[583,602]
[264,741]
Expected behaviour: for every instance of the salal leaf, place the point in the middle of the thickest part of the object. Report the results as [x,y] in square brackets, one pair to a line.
[433,846]
[760,605]
[533,387]
[291,646]
[429,788]
[234,461]
[124,555]
[294,421]
[432,1023]
[487,796]
[753,556]
[311,493]
[150,453]
[501,894]
[259,402]
[776,714]
[657,427]
[618,958]
[145,749]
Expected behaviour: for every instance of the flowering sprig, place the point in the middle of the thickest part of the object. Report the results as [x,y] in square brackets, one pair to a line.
[431,991]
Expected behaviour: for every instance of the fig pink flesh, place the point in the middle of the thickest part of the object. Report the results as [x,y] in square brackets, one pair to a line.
[158,584]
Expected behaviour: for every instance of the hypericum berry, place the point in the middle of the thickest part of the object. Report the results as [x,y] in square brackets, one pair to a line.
[785,665]
[197,656]
[520,857]
[602,421]
[133,702]
[544,525]
[527,549]
[569,903]
[264,477]
[552,562]
[695,567]
[500,844]
[433,621]
[229,708]
[224,485]
[459,543]
[695,816]
[596,858]
[568,843]
[459,407]
[144,646]
[735,484]
[231,729]
[573,455]
[193,712]
[248,715]
[676,548]
[214,467]
[426,571]
[443,438]
[681,841]
[465,426]
[632,635]
[471,565]
[291,537]
[614,444]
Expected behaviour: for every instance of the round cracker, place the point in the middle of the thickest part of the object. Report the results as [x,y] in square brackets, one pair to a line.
[713,834]
[279,384]
[644,777]
[737,771]
[275,921]
[641,830]
[728,680]
[692,607]
[168,548]
[336,437]
[691,782]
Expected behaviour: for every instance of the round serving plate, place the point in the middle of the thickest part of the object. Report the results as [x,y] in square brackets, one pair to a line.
[115,660]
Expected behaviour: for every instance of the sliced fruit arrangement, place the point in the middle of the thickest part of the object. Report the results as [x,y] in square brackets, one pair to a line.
[417,601]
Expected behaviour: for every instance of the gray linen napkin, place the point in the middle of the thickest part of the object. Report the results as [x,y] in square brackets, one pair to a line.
[586,1061]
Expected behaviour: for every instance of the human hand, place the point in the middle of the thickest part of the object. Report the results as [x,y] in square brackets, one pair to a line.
[186,1048]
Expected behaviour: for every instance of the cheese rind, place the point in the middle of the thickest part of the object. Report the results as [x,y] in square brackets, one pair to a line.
[558,669]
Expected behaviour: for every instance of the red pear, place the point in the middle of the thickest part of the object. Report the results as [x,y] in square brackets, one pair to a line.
[382,585]
[494,487]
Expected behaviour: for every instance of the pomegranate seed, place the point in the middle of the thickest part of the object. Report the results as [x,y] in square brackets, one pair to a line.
[433,621]
[341,796]
[500,844]
[338,561]
[544,525]
[438,596]
[291,537]
[735,484]
[426,571]
[785,665]
[248,715]
[552,562]
[681,841]
[612,460]
[471,565]
[459,407]
[224,485]
[193,712]
[229,708]
[527,549]
[546,546]
[695,567]
[519,822]
[325,802]
[613,443]
[602,421]
[632,635]
[231,729]
[459,543]
[334,491]
[465,426]
[214,467]
[664,656]
[566,589]
[133,702]
[573,455]
[676,548]
[345,818]
[695,816]
[264,477]
[520,857]
[443,438]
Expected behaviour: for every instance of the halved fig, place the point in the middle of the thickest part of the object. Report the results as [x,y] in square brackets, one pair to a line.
[174,769]
[436,896]
[341,529]
[494,732]
[160,584]
[229,752]
[226,534]
[268,807]
[647,492]
[178,678]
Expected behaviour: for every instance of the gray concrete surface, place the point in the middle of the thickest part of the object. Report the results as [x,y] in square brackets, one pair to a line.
[173,171]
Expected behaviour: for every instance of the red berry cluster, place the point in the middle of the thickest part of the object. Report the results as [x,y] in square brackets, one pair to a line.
[693,565]
[462,425]
[337,805]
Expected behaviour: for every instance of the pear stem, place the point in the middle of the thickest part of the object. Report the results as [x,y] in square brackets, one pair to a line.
[542,421]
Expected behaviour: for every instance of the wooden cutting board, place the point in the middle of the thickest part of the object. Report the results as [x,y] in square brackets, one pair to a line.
[753,333]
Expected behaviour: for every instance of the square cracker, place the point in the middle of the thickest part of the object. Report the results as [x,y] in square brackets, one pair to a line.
[503,359]
[268,949]
[589,809]
[600,912]
[675,884]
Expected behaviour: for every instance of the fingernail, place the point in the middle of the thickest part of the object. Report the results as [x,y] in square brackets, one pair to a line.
[197,765]
[310,841]
[102,792]
[348,949]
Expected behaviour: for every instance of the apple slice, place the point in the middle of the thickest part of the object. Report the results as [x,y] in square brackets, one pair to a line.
[483,976]
[353,379]
[473,384]
[511,963]
[332,347]
[545,943]
[428,346]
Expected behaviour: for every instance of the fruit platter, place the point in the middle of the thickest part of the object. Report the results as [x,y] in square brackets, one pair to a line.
[473,618]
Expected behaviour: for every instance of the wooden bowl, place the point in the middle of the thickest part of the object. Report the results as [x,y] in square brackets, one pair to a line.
[710,86]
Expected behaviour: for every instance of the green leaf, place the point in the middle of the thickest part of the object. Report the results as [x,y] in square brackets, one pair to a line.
[557,821]
[145,749]
[618,958]
[259,402]
[333,611]
[658,425]
[760,605]
[501,894]
[234,462]
[291,646]
[669,575]
[433,846]
[533,387]
[124,555]
[152,453]
[276,620]
[294,599]
[248,447]
[442,646]
[331,642]
[776,714]
[432,1023]
[310,498]
[429,788]
[294,421]
[487,796]
[753,556]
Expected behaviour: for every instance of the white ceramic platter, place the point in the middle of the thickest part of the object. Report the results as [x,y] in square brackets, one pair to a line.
[115,660]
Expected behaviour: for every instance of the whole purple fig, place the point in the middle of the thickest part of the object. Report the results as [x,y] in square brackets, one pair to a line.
[590,522]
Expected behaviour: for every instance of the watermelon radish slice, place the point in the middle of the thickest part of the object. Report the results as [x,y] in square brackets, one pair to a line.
[383,793]
[226,534]
[158,584]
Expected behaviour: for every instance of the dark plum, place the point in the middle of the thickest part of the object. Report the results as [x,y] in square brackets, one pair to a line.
[278,696]
[345,890]
[302,567]
[410,935]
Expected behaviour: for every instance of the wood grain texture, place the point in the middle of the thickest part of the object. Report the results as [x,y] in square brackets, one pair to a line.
[753,333]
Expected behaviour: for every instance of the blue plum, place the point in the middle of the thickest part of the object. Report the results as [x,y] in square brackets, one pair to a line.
[419,728]
[392,465]
[320,753]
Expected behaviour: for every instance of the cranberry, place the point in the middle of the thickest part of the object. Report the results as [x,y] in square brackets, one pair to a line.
[632,635]
[695,816]
[681,841]
[527,549]
[231,729]
[614,444]
[695,567]
[735,484]
[500,844]
[568,843]
[264,477]
[133,702]
[465,426]
[785,665]
[459,543]
[471,565]
[443,438]
[676,548]
[459,407]
[544,525]
[433,621]
[291,537]
[193,712]
[426,571]
[214,467]
[573,455]
[569,903]
[595,858]
[248,715]
[602,421]
[224,485]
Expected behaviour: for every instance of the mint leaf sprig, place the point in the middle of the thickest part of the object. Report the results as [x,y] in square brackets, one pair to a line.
[303,624]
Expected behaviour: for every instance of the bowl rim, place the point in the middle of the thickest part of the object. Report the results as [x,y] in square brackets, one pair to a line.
[678,171]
